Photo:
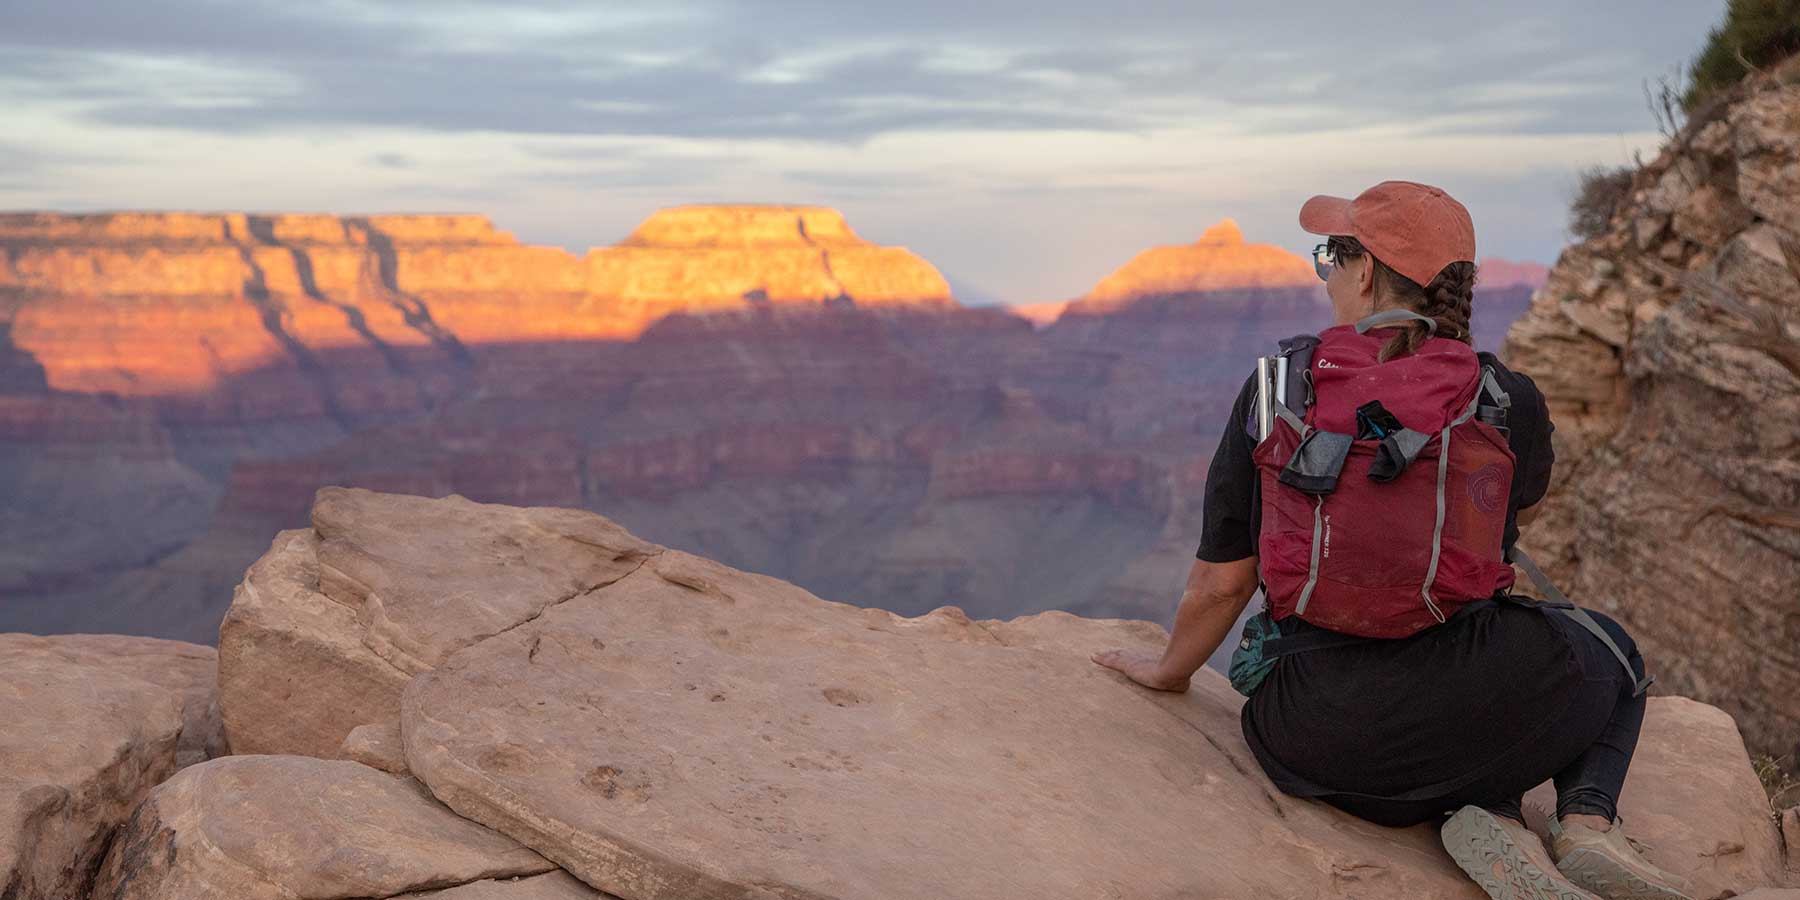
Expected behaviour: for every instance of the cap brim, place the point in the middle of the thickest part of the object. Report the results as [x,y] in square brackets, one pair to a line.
[1326,215]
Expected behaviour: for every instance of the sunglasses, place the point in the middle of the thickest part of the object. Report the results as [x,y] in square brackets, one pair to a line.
[1324,261]
[1328,256]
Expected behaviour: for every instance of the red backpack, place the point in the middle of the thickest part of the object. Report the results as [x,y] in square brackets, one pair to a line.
[1387,534]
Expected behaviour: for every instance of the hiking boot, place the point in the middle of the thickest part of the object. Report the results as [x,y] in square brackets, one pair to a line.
[1505,858]
[1610,864]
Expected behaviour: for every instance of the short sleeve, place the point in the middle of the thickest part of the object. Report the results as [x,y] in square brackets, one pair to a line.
[1231,512]
[1528,435]
[1531,433]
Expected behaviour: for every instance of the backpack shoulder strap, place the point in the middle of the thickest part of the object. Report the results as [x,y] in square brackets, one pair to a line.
[1491,387]
[1563,605]
[1391,316]
[1299,352]
[1491,400]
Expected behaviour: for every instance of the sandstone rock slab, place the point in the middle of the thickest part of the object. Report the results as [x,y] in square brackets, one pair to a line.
[294,675]
[280,827]
[549,886]
[692,731]
[1694,799]
[333,621]
[189,672]
[431,576]
[91,724]
[376,745]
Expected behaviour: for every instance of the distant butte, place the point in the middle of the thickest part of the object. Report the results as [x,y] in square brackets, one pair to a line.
[698,258]
[1503,273]
[1219,261]
[1040,315]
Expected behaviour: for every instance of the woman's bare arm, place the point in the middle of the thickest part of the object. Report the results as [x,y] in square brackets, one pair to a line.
[1215,596]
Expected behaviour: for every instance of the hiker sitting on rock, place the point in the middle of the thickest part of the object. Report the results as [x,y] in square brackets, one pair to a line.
[1376,497]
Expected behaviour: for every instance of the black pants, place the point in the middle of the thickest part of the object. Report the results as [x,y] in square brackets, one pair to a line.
[1586,752]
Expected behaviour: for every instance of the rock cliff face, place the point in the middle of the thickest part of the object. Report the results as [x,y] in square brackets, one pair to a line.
[172,304]
[1669,349]
[567,711]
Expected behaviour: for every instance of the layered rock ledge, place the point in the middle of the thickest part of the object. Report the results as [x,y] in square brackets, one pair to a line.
[659,725]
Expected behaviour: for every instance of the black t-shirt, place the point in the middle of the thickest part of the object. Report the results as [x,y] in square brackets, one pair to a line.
[1406,717]
[1233,500]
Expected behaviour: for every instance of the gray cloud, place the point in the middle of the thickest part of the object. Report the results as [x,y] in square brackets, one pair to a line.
[18,157]
[18,165]
[210,28]
[703,71]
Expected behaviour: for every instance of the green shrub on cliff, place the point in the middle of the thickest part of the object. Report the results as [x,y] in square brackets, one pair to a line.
[1755,34]
[1781,785]
[1599,192]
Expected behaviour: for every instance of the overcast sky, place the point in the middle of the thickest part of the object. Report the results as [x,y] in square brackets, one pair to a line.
[1027,149]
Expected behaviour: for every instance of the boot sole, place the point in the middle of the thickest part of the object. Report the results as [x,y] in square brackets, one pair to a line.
[1496,862]
[1600,873]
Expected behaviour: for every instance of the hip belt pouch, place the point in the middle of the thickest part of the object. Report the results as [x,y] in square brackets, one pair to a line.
[1263,643]
[1249,663]
[1314,467]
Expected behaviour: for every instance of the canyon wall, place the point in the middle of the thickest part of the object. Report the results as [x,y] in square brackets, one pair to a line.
[1669,349]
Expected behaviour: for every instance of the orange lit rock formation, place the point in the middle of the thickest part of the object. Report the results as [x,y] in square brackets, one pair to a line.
[1505,273]
[1220,260]
[1040,315]
[171,303]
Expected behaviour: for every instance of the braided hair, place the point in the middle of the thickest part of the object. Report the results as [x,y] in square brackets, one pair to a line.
[1449,299]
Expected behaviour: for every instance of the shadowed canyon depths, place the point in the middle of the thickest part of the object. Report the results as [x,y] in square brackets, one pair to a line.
[758,384]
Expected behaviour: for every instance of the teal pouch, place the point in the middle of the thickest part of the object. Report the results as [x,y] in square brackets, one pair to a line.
[1249,663]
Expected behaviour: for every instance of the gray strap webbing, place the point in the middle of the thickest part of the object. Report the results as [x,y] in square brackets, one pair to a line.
[1564,605]
[1443,474]
[1489,384]
[1287,415]
[1312,573]
[1437,530]
[1390,316]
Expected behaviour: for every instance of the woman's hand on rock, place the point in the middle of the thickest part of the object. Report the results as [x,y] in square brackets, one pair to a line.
[1143,668]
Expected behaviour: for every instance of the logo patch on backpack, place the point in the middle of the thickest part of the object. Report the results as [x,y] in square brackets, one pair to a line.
[1487,487]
